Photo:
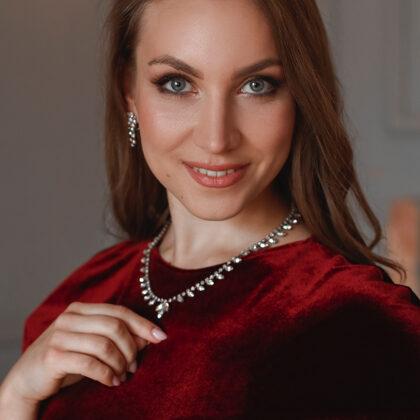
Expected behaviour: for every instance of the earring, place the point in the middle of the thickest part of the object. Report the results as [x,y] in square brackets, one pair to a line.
[132,126]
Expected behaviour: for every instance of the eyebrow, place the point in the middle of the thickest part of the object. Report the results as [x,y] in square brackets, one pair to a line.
[178,64]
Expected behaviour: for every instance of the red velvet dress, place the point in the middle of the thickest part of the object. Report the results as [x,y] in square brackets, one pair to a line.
[295,331]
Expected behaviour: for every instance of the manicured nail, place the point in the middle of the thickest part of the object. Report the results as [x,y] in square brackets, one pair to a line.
[132,367]
[116,381]
[159,334]
[123,377]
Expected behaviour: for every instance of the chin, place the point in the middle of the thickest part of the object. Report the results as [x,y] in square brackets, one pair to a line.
[213,211]
[215,216]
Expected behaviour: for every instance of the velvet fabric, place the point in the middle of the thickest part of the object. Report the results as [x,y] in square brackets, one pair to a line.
[295,331]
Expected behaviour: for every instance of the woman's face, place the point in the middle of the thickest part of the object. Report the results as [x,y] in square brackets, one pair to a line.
[209,90]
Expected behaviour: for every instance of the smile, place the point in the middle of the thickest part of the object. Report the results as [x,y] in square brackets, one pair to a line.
[220,178]
[213,173]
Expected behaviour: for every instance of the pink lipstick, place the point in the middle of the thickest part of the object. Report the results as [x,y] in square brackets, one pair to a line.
[216,176]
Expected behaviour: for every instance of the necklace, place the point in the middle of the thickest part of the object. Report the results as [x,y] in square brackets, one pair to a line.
[163,304]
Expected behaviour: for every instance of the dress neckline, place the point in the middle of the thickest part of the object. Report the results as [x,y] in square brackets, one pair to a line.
[267,251]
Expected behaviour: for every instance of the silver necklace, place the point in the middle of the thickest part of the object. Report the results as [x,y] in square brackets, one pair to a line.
[163,304]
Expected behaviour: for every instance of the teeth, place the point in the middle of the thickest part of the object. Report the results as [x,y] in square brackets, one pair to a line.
[213,173]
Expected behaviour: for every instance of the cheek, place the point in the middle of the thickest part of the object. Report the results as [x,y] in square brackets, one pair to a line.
[159,137]
[272,130]
[155,131]
[161,121]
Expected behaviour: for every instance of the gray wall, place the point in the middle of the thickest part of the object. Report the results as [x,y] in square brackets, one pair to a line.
[52,181]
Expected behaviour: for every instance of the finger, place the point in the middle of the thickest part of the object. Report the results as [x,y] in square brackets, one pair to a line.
[98,346]
[141,342]
[71,379]
[64,362]
[101,325]
[137,324]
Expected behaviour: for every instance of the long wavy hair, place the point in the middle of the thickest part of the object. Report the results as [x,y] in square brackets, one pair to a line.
[319,174]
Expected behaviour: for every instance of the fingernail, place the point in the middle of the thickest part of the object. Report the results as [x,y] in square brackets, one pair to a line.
[159,334]
[123,377]
[116,381]
[132,367]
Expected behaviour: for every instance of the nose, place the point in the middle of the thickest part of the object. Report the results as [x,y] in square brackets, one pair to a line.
[217,132]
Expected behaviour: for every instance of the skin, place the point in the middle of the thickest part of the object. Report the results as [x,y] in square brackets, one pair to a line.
[213,119]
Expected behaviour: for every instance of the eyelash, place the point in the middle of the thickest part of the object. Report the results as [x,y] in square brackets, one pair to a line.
[160,81]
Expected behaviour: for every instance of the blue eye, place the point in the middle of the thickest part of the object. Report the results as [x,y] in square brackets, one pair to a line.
[177,82]
[258,86]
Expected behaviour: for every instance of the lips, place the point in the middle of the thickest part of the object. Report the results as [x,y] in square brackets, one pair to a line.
[233,173]
[220,167]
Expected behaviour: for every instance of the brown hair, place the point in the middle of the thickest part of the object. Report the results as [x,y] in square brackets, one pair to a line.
[318,176]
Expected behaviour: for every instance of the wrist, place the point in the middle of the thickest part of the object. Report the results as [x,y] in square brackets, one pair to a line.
[15,405]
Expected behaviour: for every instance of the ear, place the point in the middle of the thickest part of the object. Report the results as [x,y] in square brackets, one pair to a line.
[128,91]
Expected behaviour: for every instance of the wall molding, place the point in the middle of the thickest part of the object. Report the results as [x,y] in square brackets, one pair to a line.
[401,39]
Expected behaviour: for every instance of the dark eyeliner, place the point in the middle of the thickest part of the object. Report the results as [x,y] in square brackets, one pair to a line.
[160,81]
[272,81]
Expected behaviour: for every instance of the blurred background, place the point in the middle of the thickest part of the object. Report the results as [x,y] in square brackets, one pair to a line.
[52,177]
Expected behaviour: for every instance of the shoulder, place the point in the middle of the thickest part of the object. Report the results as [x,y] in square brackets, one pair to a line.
[313,262]
[370,284]
[98,272]
[351,323]
[374,324]
[324,281]
[100,279]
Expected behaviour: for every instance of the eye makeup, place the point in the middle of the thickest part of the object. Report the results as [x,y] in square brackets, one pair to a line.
[160,81]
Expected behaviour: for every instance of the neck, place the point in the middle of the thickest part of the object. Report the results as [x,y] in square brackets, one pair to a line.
[191,242]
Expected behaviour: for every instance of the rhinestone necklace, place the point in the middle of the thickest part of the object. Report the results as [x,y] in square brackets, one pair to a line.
[163,304]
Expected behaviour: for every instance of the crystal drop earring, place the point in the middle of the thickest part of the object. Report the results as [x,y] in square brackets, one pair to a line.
[133,125]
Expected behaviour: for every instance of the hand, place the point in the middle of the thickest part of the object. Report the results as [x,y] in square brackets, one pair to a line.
[96,340]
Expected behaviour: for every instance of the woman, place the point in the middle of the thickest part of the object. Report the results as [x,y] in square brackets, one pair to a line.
[229,172]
